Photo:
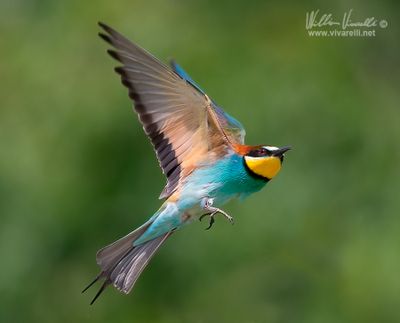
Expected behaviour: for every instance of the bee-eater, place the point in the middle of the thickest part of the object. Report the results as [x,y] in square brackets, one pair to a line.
[200,149]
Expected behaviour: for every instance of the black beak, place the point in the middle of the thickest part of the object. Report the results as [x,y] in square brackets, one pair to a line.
[281,151]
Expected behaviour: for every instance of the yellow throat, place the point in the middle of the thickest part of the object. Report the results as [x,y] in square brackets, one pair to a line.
[266,167]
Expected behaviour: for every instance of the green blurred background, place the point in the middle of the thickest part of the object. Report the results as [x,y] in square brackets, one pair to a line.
[320,244]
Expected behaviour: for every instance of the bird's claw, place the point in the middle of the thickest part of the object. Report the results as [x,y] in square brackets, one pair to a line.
[208,206]
[211,220]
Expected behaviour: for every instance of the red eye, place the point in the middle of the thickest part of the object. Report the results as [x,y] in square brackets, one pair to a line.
[261,152]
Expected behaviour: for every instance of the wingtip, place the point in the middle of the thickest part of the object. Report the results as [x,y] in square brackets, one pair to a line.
[119,70]
[103,25]
[114,54]
[106,28]
[105,37]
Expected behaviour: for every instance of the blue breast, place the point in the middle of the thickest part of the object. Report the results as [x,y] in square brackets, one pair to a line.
[225,179]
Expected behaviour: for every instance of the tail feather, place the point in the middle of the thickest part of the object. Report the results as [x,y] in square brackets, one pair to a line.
[122,263]
[128,270]
[100,291]
[109,255]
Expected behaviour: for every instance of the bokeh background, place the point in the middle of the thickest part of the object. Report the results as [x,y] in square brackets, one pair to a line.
[320,244]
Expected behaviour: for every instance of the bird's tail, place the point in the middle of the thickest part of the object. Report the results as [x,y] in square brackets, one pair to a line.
[122,263]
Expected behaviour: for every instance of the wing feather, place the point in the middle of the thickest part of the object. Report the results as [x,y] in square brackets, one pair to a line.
[174,114]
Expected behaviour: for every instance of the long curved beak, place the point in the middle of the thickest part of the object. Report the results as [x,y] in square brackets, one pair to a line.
[281,151]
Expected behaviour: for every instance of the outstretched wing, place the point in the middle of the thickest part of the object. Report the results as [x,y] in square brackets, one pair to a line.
[180,120]
[232,127]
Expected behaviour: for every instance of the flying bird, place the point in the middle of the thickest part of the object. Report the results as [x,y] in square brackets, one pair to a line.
[200,149]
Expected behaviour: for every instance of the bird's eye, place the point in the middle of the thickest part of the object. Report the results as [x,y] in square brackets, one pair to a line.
[260,152]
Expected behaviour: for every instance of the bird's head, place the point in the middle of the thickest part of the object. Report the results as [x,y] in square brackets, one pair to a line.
[265,161]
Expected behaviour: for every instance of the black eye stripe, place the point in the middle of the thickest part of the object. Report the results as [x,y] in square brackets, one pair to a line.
[260,152]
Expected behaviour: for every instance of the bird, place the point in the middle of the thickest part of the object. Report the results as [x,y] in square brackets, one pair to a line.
[200,149]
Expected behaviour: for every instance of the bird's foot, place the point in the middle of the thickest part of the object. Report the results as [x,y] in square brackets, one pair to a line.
[207,205]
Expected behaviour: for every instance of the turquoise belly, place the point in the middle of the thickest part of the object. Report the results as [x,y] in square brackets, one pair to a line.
[224,180]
